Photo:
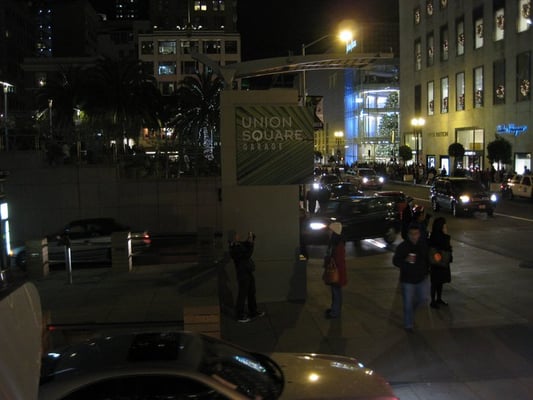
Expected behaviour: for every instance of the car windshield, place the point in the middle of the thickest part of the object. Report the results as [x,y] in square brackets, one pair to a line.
[469,186]
[367,172]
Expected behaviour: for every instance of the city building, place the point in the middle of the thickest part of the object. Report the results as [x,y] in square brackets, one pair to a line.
[465,68]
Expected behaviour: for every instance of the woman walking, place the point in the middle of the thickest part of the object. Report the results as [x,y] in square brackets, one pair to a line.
[440,253]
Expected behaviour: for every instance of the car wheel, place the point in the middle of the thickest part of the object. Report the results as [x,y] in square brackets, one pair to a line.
[390,235]
[434,205]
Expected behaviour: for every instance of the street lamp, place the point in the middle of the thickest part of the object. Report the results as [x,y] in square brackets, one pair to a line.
[344,35]
[417,124]
[6,90]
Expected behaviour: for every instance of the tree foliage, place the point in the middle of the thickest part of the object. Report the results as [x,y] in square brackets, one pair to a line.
[499,151]
[457,151]
[405,153]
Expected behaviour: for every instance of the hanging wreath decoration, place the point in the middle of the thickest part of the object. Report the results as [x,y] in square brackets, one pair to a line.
[431,105]
[430,51]
[445,104]
[417,16]
[525,87]
[479,97]
[443,3]
[429,7]
[445,45]
[526,10]
[500,21]
[500,92]
[479,30]
[462,101]
[461,39]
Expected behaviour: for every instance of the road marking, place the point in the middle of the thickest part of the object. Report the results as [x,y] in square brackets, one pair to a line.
[513,217]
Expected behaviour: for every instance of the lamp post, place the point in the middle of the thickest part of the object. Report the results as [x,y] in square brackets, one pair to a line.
[417,124]
[6,90]
[344,35]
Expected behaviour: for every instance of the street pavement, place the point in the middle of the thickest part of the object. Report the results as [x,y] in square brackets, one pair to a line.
[479,347]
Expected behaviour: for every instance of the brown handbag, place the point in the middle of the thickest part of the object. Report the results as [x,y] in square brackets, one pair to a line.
[331,273]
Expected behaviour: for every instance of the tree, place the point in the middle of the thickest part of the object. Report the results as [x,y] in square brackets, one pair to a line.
[500,151]
[457,151]
[196,119]
[405,153]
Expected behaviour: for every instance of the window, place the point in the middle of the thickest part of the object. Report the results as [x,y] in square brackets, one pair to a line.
[460,91]
[418,55]
[523,76]
[200,6]
[166,88]
[218,5]
[430,42]
[189,67]
[230,47]
[211,47]
[167,47]
[444,95]
[431,98]
[499,81]
[444,43]
[167,68]
[524,15]
[477,18]
[187,45]
[478,87]
[147,47]
[499,24]
[429,7]
[460,37]
[416,15]
[443,4]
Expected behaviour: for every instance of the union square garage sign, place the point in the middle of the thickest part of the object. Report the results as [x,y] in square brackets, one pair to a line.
[274,144]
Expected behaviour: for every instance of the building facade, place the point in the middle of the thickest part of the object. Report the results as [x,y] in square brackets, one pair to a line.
[465,68]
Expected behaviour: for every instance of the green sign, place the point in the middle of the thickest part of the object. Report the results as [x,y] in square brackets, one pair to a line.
[274,144]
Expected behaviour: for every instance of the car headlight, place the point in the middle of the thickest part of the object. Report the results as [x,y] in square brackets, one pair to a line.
[316,186]
[464,198]
[317,225]
[365,180]
[381,179]
[493,198]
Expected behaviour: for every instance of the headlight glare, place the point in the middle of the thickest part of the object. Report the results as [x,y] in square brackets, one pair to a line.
[317,225]
[464,198]
[493,198]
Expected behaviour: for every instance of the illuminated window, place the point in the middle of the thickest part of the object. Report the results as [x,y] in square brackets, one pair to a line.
[187,45]
[498,75]
[444,43]
[460,91]
[147,47]
[499,24]
[416,15]
[200,6]
[444,95]
[167,68]
[167,47]
[430,43]
[418,55]
[524,15]
[478,87]
[460,37]
[523,76]
[431,98]
[211,46]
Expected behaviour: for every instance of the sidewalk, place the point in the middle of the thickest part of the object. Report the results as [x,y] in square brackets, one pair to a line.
[477,348]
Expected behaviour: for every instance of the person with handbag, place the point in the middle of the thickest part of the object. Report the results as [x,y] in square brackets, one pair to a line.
[241,253]
[440,257]
[337,254]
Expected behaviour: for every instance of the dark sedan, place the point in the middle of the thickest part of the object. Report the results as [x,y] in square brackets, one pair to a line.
[362,217]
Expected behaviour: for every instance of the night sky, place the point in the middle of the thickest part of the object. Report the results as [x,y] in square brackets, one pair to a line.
[276,27]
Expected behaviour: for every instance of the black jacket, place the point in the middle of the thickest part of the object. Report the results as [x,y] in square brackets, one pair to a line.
[241,253]
[412,273]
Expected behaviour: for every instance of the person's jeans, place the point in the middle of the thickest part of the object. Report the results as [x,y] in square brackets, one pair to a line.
[414,295]
[336,300]
[246,293]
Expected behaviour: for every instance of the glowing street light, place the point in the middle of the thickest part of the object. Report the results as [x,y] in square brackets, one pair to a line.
[345,36]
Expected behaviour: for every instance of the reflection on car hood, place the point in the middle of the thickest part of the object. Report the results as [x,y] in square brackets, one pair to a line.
[321,376]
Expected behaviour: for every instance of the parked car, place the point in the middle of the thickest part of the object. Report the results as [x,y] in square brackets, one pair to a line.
[340,189]
[400,201]
[461,196]
[519,186]
[362,217]
[186,365]
[368,178]
[90,241]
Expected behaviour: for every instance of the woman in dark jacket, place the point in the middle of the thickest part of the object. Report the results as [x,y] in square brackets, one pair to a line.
[440,259]
[337,250]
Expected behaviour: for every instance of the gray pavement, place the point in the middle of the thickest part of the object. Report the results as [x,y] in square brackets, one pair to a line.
[477,348]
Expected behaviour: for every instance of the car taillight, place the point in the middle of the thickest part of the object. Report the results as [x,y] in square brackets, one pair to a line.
[146,238]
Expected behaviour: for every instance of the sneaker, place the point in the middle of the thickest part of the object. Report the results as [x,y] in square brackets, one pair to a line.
[258,314]
[244,319]
[442,302]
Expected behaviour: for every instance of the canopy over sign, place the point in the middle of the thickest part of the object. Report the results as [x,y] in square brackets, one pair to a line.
[274,144]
